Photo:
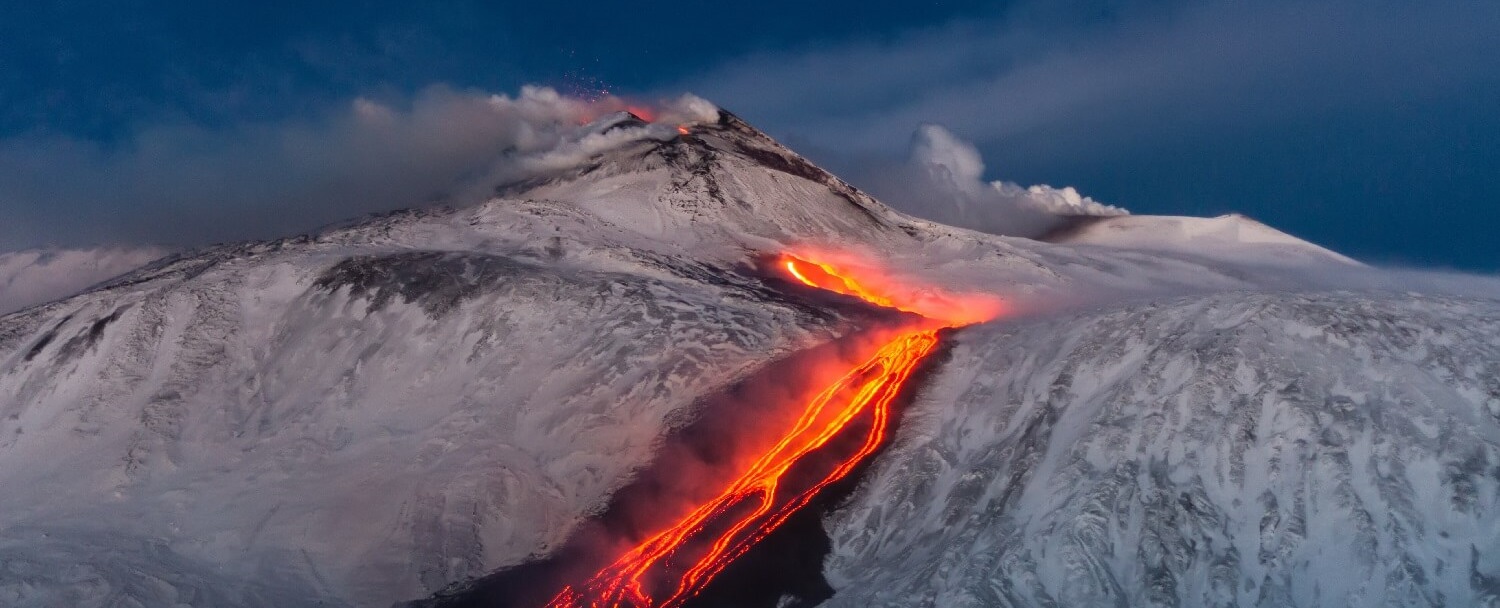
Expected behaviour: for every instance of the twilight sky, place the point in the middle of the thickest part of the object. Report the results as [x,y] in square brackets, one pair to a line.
[1364,125]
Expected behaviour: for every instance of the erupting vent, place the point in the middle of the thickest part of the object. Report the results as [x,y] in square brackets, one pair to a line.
[673,565]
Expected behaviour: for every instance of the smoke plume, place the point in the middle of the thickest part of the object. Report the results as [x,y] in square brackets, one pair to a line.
[190,184]
[942,180]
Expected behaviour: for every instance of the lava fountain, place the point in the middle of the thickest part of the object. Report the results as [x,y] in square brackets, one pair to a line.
[671,566]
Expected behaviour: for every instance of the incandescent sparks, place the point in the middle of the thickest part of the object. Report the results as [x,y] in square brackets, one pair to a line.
[673,565]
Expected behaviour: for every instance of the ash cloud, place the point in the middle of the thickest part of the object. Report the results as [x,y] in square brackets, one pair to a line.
[187,184]
[943,180]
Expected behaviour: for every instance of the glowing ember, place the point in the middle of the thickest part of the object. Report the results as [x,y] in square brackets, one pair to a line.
[682,129]
[642,112]
[678,562]
[602,103]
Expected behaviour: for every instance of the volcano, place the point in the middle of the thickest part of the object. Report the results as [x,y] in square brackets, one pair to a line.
[1135,411]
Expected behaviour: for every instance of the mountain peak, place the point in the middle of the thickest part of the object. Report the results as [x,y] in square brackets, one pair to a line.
[623,119]
[720,176]
[1232,236]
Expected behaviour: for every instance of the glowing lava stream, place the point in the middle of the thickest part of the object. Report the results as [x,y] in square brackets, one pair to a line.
[750,508]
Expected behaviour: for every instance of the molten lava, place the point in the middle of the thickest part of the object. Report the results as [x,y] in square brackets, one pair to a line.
[823,276]
[675,564]
[886,291]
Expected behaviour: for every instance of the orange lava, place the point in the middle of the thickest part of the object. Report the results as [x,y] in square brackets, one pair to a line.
[885,291]
[676,563]
[868,388]
[824,276]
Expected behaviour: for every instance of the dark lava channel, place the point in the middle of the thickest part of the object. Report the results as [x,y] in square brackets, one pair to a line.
[787,563]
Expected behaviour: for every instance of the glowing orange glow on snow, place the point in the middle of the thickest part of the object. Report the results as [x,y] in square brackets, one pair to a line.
[673,565]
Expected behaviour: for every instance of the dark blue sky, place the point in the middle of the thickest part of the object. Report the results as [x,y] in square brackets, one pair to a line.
[99,69]
[1370,126]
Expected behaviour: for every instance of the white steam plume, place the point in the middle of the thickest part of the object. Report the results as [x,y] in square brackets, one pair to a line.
[943,181]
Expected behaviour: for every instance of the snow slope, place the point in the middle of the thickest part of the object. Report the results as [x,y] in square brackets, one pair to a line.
[1239,449]
[1230,237]
[370,424]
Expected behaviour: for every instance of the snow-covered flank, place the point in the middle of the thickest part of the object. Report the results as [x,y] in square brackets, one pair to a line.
[380,410]
[31,277]
[376,411]
[303,423]
[1242,449]
[705,192]
[1229,237]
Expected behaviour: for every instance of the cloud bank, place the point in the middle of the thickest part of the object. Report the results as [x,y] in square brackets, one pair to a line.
[32,277]
[1042,67]
[187,184]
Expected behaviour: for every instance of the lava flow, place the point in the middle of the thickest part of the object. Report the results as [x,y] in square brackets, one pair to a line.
[676,563]
[881,289]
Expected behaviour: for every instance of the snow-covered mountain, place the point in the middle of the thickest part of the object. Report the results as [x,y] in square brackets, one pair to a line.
[379,410]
